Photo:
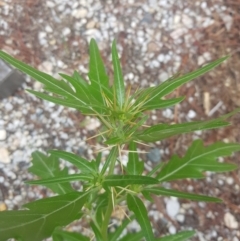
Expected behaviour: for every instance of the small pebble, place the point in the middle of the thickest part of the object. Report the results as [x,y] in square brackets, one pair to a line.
[192,114]
[3,134]
[229,180]
[79,13]
[2,179]
[172,207]
[66,31]
[230,221]
[154,155]
[3,206]
[4,156]
[172,230]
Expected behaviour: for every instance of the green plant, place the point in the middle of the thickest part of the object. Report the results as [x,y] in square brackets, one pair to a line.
[123,117]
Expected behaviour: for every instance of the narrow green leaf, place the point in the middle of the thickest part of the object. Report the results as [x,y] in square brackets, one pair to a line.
[114,140]
[68,178]
[138,124]
[96,231]
[160,104]
[81,163]
[77,77]
[137,207]
[112,155]
[78,86]
[61,101]
[155,169]
[48,167]
[98,160]
[97,73]
[125,180]
[101,206]
[170,192]
[118,77]
[163,131]
[170,85]
[181,236]
[60,235]
[134,165]
[42,217]
[197,160]
[132,237]
[44,78]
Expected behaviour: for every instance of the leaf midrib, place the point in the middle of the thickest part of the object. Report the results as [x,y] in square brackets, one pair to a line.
[191,160]
[46,215]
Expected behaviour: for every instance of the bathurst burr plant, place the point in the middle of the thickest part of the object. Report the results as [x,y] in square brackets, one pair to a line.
[123,116]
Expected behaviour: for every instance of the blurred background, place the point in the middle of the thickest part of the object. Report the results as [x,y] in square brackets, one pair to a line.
[156,39]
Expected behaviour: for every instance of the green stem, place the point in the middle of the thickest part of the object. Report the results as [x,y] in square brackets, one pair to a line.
[107,218]
[110,205]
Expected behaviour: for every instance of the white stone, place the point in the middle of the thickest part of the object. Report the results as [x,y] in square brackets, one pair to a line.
[191,114]
[2,179]
[3,134]
[66,31]
[91,24]
[161,57]
[168,113]
[172,230]
[92,124]
[163,76]
[42,35]
[230,180]
[46,67]
[228,21]
[48,29]
[8,106]
[230,221]
[79,13]
[4,155]
[140,68]
[180,218]
[172,207]
[37,85]
[187,21]
[130,76]
[50,4]
[235,239]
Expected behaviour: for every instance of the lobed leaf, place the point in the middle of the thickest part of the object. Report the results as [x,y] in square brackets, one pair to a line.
[181,236]
[173,193]
[48,167]
[42,217]
[137,207]
[197,160]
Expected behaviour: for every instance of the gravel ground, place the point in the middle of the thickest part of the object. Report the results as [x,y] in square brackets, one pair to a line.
[156,39]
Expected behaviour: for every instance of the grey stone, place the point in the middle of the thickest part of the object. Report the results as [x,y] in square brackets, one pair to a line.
[154,155]
[10,80]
